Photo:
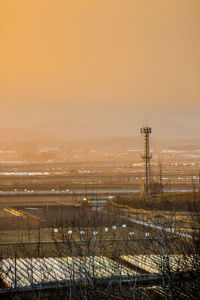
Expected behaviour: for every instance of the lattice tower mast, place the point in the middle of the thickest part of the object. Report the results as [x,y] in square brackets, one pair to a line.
[146,156]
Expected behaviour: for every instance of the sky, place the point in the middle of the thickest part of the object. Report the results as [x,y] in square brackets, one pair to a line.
[125,62]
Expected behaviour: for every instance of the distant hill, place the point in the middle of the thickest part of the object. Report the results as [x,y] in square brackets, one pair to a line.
[88,129]
[98,134]
[22,134]
[82,129]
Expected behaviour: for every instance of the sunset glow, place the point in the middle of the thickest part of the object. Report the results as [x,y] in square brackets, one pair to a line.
[105,61]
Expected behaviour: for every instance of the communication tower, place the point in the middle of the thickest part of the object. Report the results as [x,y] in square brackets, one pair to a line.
[146,156]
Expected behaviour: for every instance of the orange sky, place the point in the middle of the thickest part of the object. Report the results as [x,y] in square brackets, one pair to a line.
[100,60]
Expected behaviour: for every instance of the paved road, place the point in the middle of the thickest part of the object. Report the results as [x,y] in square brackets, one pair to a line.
[83,192]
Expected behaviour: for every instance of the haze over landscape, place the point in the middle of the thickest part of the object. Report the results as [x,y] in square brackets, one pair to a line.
[99,149]
[85,69]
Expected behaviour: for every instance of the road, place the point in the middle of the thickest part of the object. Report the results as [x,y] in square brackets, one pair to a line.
[83,192]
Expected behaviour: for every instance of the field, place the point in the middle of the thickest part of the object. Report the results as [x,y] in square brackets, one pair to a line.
[36,199]
[81,218]
[38,230]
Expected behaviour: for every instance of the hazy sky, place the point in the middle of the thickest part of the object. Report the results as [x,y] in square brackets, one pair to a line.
[124,61]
